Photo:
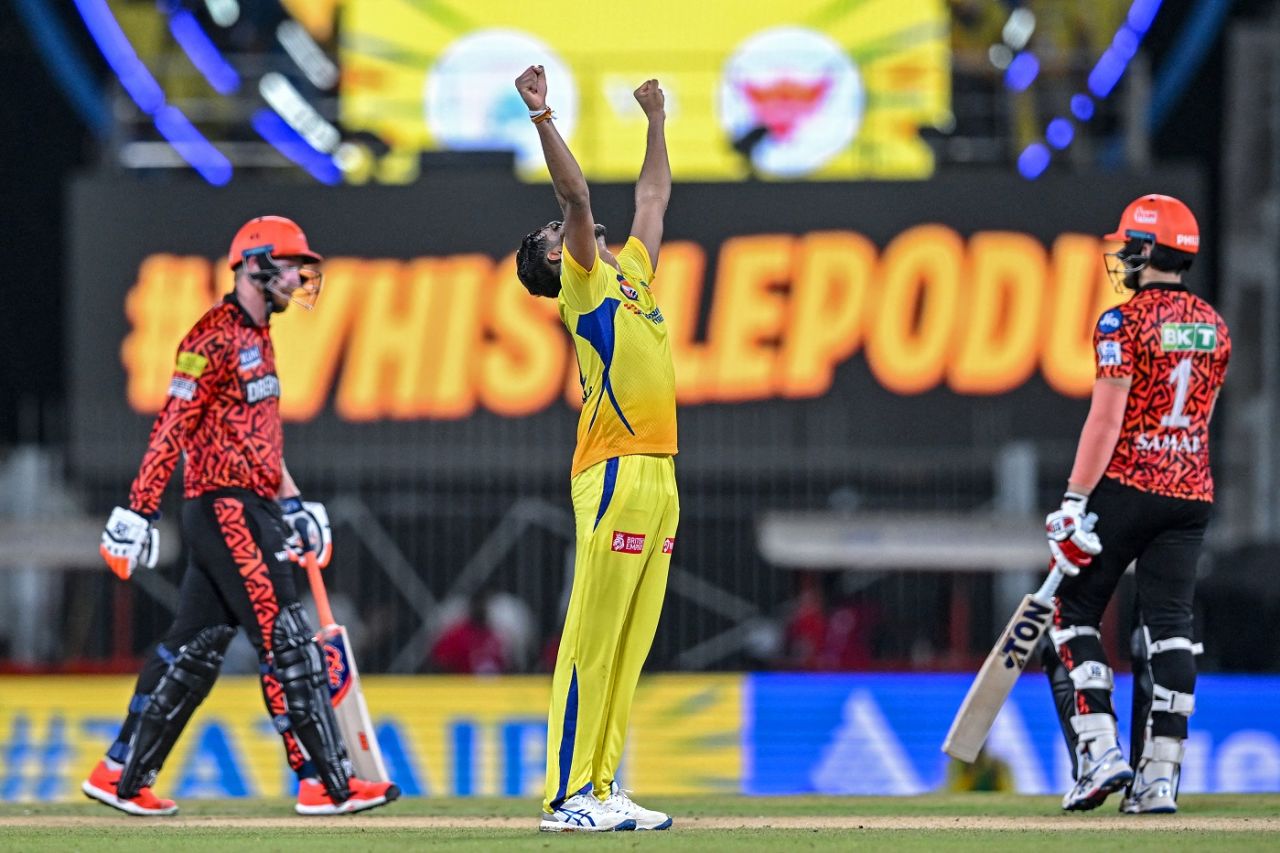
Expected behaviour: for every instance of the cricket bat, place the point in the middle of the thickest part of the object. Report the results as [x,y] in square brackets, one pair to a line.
[344,684]
[1000,671]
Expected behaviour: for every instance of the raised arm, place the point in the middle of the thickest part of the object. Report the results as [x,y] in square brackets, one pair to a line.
[566,176]
[653,189]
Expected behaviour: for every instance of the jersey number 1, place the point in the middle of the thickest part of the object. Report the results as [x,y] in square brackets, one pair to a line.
[1180,378]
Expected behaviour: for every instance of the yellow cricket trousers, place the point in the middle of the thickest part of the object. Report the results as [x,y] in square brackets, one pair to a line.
[626,511]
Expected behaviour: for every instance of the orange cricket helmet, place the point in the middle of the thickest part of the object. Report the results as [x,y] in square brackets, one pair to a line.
[272,235]
[1162,220]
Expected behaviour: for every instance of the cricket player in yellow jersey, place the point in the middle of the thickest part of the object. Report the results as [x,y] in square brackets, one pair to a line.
[624,483]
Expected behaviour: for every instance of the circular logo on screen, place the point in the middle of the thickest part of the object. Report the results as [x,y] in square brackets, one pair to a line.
[791,99]
[471,103]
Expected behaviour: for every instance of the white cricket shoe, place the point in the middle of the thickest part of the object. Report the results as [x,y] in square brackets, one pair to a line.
[1101,768]
[644,818]
[1155,788]
[584,813]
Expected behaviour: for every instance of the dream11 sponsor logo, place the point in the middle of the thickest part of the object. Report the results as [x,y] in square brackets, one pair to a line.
[471,104]
[799,91]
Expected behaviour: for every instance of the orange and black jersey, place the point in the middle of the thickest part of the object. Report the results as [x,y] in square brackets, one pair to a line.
[1175,347]
[222,413]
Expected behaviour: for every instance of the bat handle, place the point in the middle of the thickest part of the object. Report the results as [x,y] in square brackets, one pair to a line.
[312,565]
[1050,586]
[318,591]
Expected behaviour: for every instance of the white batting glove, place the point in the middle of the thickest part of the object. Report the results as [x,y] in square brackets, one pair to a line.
[1072,541]
[308,524]
[129,540]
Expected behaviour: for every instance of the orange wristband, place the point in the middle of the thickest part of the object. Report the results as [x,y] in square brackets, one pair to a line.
[545,115]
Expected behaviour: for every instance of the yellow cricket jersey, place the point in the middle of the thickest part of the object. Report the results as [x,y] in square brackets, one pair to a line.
[624,357]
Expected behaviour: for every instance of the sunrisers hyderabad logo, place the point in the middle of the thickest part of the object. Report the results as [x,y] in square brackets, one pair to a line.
[797,93]
[336,666]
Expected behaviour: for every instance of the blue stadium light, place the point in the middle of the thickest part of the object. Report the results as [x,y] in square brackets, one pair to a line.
[192,146]
[1125,43]
[288,142]
[1082,107]
[1141,14]
[1033,160]
[115,47]
[176,128]
[1059,133]
[1105,75]
[1021,71]
[203,53]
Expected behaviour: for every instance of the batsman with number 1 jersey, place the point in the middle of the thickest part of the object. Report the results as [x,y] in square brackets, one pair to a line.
[625,503]
[1142,471]
[242,519]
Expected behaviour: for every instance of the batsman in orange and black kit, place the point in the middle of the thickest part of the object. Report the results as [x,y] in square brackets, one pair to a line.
[243,520]
[1140,489]
[625,503]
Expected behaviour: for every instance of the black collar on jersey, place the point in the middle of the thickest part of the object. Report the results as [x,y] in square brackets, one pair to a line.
[246,318]
[1163,285]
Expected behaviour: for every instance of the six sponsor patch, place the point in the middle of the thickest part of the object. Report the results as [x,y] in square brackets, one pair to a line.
[192,363]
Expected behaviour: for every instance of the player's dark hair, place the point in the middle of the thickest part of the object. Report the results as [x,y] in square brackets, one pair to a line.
[1170,260]
[538,275]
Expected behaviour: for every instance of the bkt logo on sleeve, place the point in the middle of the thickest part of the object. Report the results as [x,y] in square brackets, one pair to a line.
[627,543]
[1110,321]
[627,290]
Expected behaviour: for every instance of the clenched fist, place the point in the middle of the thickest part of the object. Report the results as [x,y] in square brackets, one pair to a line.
[532,86]
[650,98]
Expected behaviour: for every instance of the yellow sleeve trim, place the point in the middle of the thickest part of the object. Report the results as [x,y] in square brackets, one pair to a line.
[579,268]
[192,363]
[637,246]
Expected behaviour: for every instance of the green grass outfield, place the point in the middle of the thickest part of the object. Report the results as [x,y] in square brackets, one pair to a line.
[976,822]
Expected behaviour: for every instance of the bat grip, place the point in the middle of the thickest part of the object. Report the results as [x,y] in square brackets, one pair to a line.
[1050,586]
[312,565]
[318,592]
